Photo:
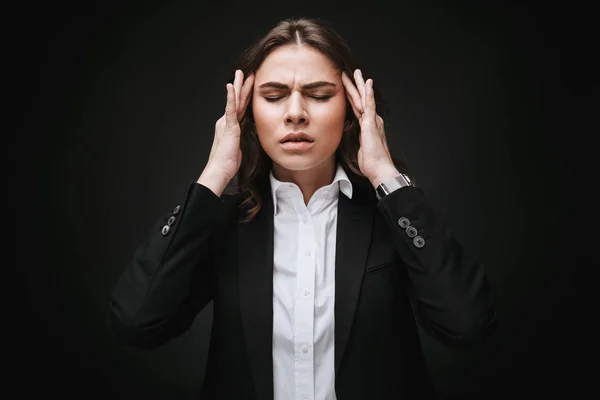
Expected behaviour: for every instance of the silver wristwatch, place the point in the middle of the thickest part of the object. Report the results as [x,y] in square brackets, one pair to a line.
[389,186]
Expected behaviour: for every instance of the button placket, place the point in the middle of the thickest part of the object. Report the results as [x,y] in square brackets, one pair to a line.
[304,310]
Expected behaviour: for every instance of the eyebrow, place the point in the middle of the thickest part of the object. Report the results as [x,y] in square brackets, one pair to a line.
[313,85]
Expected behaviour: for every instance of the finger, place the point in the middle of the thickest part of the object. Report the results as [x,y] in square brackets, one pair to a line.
[360,84]
[216,138]
[245,94]
[357,113]
[237,84]
[353,95]
[370,99]
[230,111]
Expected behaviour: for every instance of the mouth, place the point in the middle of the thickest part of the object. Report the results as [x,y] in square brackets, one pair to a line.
[297,137]
[297,145]
[297,141]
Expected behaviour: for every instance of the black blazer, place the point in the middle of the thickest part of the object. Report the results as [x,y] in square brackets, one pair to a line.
[385,283]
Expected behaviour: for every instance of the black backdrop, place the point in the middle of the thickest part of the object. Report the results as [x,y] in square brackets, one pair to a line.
[121,103]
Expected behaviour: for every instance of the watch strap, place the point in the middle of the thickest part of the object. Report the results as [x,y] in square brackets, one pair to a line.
[391,185]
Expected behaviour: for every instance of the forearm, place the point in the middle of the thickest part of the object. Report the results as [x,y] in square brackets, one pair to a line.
[452,296]
[154,292]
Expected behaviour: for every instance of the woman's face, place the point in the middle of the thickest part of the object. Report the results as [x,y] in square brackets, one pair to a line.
[298,89]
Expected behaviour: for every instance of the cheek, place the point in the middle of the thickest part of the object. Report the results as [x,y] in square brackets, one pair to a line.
[331,117]
[266,118]
[266,123]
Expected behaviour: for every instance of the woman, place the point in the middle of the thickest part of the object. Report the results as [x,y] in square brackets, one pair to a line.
[320,257]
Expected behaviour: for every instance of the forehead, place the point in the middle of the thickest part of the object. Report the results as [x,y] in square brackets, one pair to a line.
[296,64]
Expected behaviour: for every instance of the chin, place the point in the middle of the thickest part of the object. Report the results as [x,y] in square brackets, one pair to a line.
[300,162]
[295,163]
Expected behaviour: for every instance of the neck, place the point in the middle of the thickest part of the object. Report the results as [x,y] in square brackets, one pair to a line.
[310,180]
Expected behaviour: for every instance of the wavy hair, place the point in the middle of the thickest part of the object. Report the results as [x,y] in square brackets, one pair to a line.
[253,174]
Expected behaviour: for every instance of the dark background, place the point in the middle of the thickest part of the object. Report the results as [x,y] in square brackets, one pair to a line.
[120,104]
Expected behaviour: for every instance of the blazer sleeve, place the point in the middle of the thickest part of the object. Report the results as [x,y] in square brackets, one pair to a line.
[451,296]
[170,278]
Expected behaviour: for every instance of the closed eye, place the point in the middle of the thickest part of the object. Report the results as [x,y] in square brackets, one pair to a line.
[318,98]
[321,98]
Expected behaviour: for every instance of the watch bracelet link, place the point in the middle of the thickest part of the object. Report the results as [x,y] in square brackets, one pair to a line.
[391,185]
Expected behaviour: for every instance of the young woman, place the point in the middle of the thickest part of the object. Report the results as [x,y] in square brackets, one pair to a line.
[318,251]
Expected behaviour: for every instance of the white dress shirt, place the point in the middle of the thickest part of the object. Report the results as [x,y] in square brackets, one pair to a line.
[304,289]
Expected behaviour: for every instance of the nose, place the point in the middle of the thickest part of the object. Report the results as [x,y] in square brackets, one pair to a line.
[296,112]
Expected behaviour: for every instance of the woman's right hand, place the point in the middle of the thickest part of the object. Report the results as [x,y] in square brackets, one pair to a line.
[225,155]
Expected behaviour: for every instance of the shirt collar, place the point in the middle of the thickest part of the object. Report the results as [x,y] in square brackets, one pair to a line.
[344,185]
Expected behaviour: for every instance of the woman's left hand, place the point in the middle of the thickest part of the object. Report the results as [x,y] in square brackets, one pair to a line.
[374,159]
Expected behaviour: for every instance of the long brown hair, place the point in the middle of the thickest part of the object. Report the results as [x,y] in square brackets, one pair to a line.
[253,174]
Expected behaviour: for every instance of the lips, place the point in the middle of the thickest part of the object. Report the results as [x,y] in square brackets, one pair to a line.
[301,146]
[297,137]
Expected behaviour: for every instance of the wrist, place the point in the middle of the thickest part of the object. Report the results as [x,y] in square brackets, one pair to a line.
[391,185]
[214,180]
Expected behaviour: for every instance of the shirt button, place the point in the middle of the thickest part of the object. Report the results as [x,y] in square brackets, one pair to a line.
[305,220]
[308,253]
[304,348]
[305,292]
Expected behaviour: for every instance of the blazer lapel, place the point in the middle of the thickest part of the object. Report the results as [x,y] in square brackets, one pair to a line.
[354,225]
[255,264]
